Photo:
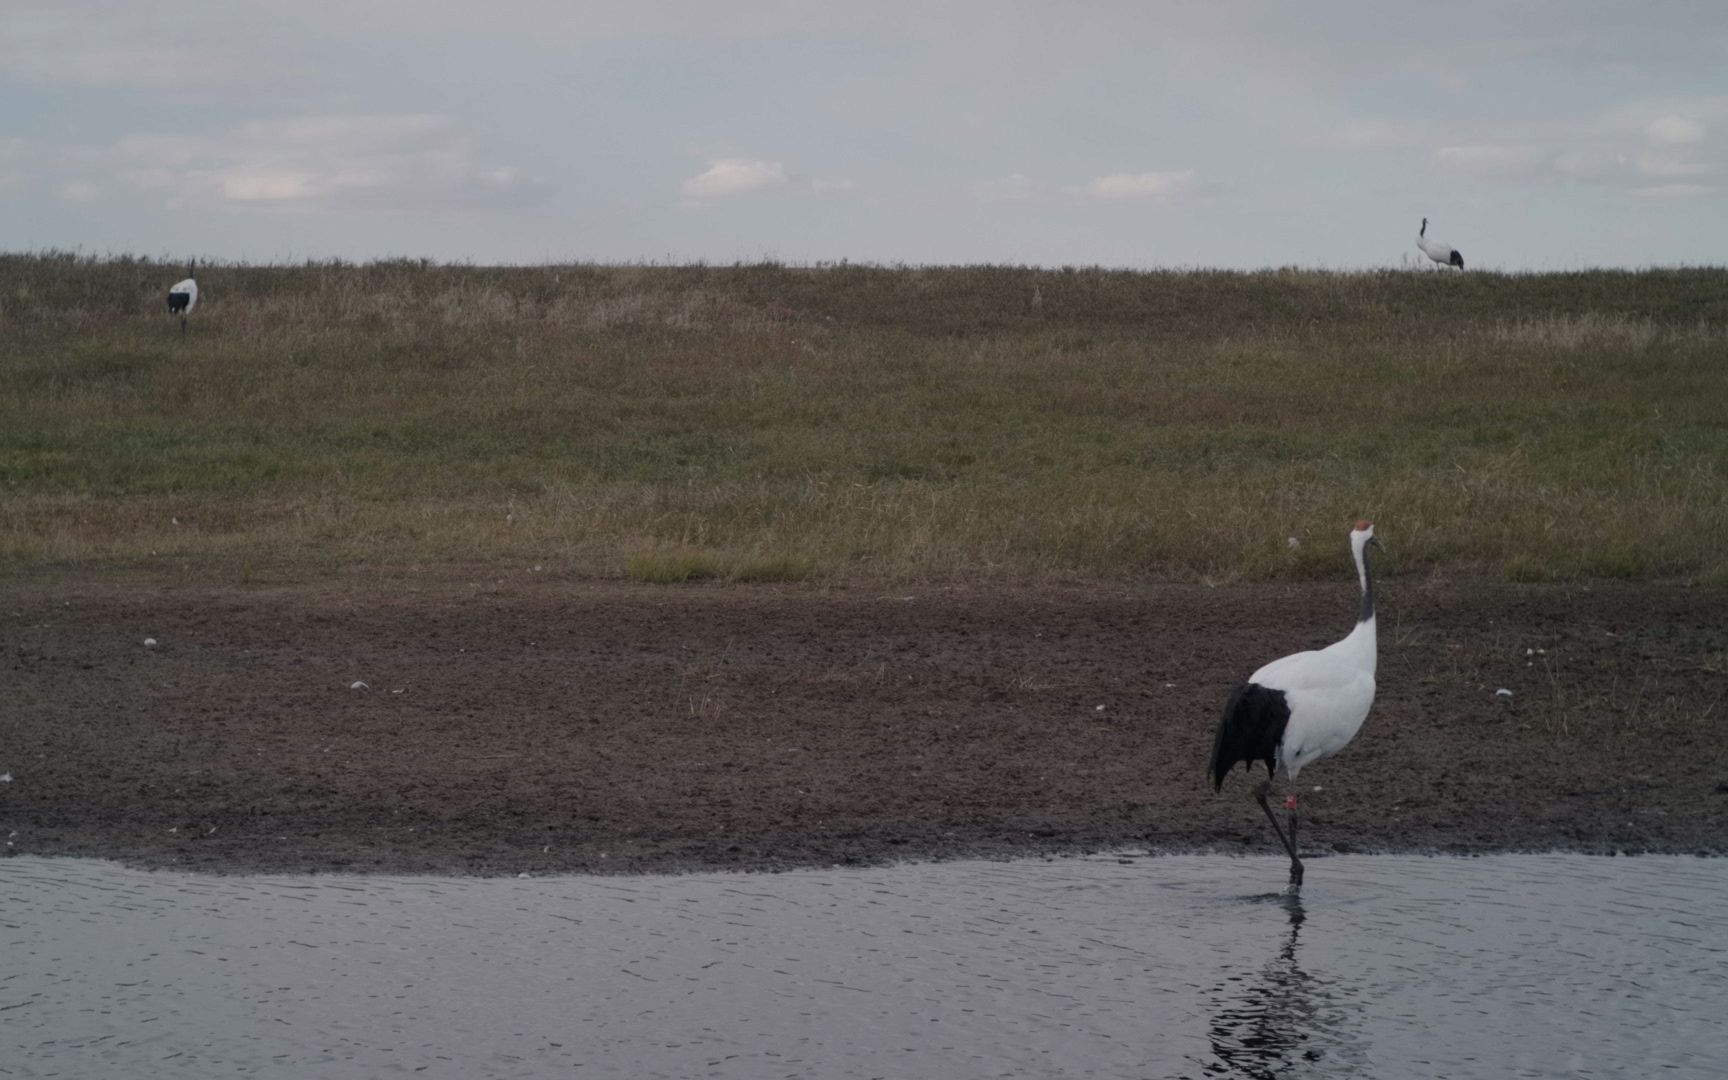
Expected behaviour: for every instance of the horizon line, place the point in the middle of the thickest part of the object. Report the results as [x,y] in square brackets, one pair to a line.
[1410,265]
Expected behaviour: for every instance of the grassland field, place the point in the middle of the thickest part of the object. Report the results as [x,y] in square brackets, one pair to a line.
[862,423]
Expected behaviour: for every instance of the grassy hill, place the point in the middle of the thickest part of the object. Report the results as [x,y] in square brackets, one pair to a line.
[863,423]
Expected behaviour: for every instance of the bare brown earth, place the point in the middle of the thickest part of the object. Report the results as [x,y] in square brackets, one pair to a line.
[537,725]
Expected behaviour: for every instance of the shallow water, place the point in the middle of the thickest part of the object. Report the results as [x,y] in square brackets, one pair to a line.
[1562,966]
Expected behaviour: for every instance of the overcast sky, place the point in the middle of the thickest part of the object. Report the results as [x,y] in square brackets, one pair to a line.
[1532,134]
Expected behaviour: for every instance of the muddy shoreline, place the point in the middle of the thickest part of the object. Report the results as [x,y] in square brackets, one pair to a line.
[527,725]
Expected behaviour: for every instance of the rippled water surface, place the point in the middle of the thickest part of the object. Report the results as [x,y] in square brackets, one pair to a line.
[1563,966]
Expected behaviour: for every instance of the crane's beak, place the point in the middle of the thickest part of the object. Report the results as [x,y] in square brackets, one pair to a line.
[1375,540]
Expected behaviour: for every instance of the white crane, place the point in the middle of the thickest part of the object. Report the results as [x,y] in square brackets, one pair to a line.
[1444,254]
[183,296]
[1303,707]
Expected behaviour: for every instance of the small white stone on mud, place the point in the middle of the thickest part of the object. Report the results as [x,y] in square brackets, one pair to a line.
[1293,543]
[521,875]
[1099,708]
[149,643]
[358,685]
[5,778]
[1502,692]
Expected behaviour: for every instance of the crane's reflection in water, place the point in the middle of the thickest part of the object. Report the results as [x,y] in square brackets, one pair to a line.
[1280,1021]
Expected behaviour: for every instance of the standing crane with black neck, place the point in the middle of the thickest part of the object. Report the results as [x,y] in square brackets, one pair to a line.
[1444,254]
[1303,707]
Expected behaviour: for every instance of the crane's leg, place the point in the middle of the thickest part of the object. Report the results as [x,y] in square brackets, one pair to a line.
[1296,864]
[1289,842]
[182,324]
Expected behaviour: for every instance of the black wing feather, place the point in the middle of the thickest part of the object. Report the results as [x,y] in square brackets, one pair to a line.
[1250,730]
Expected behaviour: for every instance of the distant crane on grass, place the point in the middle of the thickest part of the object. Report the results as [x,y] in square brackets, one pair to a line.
[1303,707]
[1444,254]
[183,296]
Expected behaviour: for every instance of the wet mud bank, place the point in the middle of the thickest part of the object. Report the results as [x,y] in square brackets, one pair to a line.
[531,726]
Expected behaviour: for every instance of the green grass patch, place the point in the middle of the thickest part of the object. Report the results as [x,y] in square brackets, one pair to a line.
[672,567]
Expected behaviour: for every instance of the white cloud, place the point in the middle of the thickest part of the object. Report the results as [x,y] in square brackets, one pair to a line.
[330,162]
[1665,166]
[1158,186]
[1494,161]
[735,176]
[1674,130]
[381,163]
[1609,161]
[1675,121]
[1655,147]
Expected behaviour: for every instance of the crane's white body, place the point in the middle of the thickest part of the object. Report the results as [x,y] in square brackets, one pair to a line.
[190,288]
[1444,254]
[1440,253]
[1329,692]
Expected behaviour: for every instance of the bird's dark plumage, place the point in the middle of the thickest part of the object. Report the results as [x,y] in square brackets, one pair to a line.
[1457,259]
[178,301]
[1250,730]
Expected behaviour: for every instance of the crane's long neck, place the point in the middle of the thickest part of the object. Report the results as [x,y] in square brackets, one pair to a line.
[1365,636]
[1423,231]
[1365,574]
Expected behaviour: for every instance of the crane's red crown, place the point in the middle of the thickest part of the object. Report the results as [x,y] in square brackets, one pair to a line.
[1364,524]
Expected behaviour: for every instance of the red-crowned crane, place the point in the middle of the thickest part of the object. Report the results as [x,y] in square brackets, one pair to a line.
[1306,706]
[183,297]
[1444,254]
